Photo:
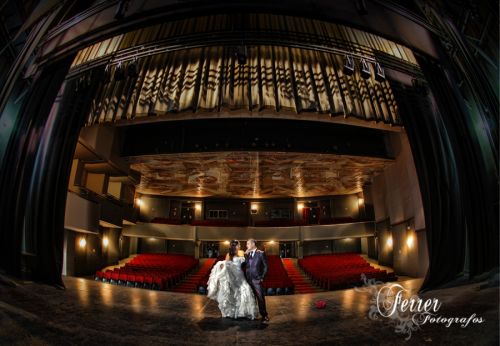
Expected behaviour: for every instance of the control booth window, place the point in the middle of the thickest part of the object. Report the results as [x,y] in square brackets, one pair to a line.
[217,214]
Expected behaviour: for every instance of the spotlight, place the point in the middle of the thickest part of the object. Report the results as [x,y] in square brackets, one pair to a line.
[241,55]
[119,73]
[105,241]
[379,73]
[361,7]
[106,77]
[365,69]
[348,65]
[82,243]
[132,69]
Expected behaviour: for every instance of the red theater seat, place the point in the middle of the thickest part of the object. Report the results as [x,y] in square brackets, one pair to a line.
[159,271]
[340,270]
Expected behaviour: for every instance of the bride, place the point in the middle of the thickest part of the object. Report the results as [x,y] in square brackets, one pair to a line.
[227,285]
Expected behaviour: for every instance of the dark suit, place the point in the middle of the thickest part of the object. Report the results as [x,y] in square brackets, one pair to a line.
[255,271]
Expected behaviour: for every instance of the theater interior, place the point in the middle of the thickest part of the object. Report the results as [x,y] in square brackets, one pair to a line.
[355,141]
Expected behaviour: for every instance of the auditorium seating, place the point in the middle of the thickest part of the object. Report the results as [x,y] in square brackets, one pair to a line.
[154,271]
[341,270]
[276,281]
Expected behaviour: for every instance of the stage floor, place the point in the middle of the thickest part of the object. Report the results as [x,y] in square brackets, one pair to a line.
[89,313]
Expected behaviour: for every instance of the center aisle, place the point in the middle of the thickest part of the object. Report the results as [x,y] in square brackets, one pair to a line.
[301,282]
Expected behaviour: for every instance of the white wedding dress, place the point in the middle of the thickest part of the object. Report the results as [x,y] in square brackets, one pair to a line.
[228,287]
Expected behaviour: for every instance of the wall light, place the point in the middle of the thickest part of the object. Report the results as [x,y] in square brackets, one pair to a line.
[361,201]
[271,242]
[105,241]
[389,241]
[300,206]
[226,242]
[197,206]
[254,207]
[139,202]
[409,241]
[82,242]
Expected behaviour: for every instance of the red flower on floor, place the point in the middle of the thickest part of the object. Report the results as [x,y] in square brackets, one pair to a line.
[320,304]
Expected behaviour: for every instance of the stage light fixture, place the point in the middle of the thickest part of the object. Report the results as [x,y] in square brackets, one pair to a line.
[365,69]
[119,73]
[348,65]
[132,69]
[241,54]
[379,73]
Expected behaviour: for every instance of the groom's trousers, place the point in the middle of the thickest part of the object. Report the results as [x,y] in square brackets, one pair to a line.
[258,290]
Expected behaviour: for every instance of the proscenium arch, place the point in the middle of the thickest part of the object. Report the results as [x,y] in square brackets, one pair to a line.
[31,172]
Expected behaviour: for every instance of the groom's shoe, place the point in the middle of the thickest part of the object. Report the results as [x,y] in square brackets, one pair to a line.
[265,320]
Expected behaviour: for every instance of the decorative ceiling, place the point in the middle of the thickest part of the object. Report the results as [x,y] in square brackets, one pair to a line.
[254,174]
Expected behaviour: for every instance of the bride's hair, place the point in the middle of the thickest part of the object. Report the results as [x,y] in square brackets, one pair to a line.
[232,248]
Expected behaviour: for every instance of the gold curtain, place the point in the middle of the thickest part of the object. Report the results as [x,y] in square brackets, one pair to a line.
[210,79]
[260,25]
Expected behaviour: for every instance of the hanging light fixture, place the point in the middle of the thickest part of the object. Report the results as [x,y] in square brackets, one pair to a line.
[379,73]
[348,65]
[365,69]
[119,72]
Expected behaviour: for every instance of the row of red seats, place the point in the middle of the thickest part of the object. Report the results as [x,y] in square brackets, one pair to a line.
[275,282]
[340,270]
[154,271]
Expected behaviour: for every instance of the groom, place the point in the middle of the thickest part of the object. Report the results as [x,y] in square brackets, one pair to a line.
[256,270]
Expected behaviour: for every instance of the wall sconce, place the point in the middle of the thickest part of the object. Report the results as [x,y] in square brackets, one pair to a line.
[389,241]
[254,207]
[409,241]
[361,201]
[271,242]
[300,206]
[139,202]
[82,242]
[197,206]
[105,241]
[226,242]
